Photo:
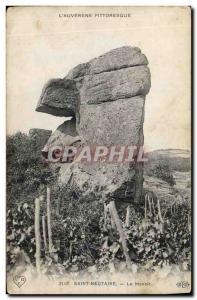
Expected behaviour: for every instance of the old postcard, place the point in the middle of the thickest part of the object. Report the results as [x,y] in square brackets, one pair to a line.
[99,150]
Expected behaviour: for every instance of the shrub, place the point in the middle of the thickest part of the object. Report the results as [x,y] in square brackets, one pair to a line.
[163,171]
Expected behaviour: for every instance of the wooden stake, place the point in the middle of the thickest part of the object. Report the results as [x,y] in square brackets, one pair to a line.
[127,219]
[108,217]
[166,209]
[37,233]
[105,216]
[58,206]
[117,221]
[44,233]
[149,202]
[189,222]
[159,211]
[49,219]
[113,225]
[153,206]
[145,207]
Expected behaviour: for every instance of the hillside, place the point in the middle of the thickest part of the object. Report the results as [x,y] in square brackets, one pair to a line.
[177,159]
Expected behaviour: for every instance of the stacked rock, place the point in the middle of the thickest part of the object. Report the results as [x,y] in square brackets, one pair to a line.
[105,98]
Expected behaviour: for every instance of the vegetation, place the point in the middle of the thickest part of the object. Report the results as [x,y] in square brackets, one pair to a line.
[81,241]
[27,172]
[162,171]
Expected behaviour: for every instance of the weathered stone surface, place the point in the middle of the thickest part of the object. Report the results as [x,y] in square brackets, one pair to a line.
[106,96]
[99,180]
[114,85]
[64,135]
[79,71]
[118,74]
[112,123]
[59,98]
[119,58]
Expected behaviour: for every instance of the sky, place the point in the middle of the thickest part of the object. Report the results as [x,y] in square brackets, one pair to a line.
[42,45]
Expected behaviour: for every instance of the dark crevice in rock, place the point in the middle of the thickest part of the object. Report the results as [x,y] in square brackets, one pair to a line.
[86,74]
[117,69]
[58,112]
[126,98]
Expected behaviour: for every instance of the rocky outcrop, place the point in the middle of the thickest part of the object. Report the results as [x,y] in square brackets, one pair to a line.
[114,85]
[116,59]
[112,123]
[59,98]
[64,135]
[106,98]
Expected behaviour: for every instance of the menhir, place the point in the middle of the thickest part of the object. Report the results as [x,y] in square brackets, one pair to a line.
[105,98]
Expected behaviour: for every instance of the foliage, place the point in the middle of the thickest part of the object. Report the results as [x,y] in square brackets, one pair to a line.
[163,171]
[81,241]
[176,162]
[150,243]
[26,171]
[76,234]
[20,234]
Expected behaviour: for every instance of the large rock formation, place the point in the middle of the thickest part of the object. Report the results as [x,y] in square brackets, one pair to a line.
[65,134]
[106,98]
[59,98]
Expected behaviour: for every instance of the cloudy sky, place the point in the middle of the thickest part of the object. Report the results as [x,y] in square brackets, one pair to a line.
[41,45]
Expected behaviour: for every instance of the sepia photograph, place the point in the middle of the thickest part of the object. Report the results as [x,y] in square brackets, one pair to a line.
[98,150]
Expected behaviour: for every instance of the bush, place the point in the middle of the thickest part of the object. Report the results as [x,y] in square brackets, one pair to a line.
[163,171]
[80,240]
[26,170]
[20,235]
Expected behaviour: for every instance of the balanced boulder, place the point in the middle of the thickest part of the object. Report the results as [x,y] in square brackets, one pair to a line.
[106,98]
